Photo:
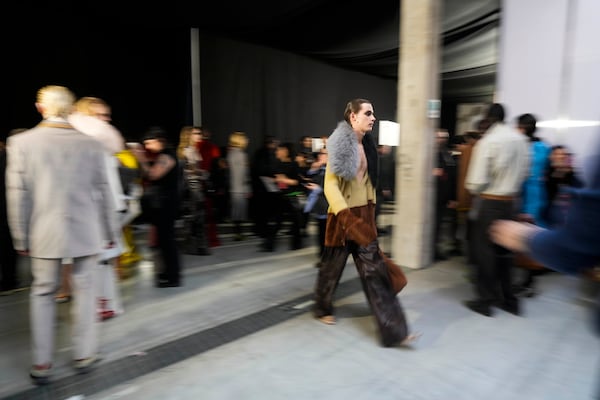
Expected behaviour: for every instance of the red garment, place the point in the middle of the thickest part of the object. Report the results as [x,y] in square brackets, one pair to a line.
[209,152]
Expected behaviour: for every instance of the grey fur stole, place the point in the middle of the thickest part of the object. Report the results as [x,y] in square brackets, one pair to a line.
[343,159]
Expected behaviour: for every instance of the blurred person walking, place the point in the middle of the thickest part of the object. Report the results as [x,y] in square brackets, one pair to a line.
[498,167]
[571,247]
[59,206]
[210,155]
[288,180]
[534,199]
[264,190]
[160,167]
[8,255]
[316,203]
[466,205]
[239,181]
[92,116]
[445,190]
[193,206]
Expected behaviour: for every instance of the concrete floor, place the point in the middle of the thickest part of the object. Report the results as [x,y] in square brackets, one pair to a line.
[248,314]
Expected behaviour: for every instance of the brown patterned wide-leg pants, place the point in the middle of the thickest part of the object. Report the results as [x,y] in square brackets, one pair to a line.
[376,284]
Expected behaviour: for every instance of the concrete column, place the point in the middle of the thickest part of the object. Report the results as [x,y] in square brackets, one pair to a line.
[418,84]
[196,87]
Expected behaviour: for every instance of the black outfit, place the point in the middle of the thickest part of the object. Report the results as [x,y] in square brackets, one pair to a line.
[445,192]
[319,209]
[194,215]
[494,262]
[263,201]
[386,182]
[164,220]
[288,207]
[558,198]
[8,255]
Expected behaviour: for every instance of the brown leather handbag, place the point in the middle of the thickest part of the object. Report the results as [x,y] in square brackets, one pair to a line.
[397,276]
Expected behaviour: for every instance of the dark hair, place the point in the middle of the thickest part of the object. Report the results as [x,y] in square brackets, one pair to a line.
[354,106]
[155,132]
[290,148]
[495,113]
[269,140]
[527,123]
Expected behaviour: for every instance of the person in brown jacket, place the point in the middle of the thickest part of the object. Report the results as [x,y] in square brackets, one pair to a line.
[350,182]
[465,206]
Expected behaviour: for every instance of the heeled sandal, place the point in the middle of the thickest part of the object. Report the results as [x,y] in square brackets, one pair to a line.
[327,319]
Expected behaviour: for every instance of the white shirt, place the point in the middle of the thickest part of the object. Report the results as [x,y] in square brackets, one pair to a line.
[499,163]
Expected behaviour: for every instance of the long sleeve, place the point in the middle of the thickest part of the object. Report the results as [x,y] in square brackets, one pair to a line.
[333,192]
[477,178]
[18,196]
[573,246]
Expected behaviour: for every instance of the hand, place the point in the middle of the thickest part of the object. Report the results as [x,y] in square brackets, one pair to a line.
[139,151]
[134,145]
[23,252]
[280,178]
[438,172]
[512,235]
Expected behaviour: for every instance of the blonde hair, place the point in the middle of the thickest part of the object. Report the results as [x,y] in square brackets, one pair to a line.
[55,101]
[238,139]
[185,138]
[86,105]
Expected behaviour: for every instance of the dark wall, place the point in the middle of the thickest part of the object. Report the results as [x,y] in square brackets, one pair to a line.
[142,73]
[263,91]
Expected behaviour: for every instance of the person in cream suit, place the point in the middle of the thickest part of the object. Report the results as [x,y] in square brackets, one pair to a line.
[59,206]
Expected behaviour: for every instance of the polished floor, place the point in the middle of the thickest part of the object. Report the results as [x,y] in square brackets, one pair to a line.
[241,328]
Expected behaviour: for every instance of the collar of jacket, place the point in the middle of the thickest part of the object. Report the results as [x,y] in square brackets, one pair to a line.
[343,157]
[56,124]
[342,146]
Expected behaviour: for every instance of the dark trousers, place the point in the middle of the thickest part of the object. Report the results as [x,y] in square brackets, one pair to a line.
[165,230]
[8,260]
[439,212]
[286,207]
[195,227]
[262,210]
[322,223]
[376,286]
[494,264]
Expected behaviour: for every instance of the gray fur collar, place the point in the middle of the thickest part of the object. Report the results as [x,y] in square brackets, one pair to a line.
[342,146]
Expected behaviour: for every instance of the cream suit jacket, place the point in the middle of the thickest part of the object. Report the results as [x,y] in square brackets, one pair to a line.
[59,201]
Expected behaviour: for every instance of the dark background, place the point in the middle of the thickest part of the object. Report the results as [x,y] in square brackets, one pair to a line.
[285,69]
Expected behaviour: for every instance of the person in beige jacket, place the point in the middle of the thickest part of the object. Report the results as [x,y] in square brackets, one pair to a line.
[59,206]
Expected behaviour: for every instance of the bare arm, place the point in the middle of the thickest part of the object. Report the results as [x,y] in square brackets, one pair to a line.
[160,168]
